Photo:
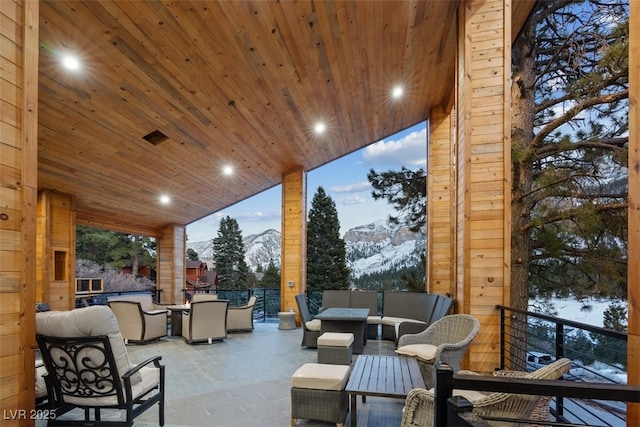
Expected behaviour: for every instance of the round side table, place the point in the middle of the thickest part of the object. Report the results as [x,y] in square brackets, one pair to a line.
[287,320]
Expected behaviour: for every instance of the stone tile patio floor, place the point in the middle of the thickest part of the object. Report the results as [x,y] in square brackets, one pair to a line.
[244,381]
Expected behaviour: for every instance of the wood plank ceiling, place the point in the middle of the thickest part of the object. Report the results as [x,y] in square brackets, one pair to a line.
[238,83]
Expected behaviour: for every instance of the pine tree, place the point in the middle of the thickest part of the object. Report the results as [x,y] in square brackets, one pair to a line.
[192,255]
[326,252]
[406,191]
[112,248]
[271,277]
[228,255]
[570,122]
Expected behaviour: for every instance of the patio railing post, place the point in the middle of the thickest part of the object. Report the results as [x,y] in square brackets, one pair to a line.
[443,390]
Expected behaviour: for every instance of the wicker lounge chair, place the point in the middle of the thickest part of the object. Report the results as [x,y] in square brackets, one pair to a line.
[418,409]
[446,340]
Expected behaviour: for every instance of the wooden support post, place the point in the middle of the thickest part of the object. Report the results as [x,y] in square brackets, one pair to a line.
[172,266]
[483,180]
[294,239]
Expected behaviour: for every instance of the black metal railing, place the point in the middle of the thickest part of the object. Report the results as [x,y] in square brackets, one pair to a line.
[456,411]
[598,356]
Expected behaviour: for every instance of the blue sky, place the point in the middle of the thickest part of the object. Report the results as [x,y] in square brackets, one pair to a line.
[344,180]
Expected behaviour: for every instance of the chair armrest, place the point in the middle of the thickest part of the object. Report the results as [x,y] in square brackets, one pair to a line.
[156,363]
[155,313]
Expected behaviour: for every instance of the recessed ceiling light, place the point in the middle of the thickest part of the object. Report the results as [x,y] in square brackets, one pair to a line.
[227,170]
[320,128]
[70,62]
[164,199]
[397,92]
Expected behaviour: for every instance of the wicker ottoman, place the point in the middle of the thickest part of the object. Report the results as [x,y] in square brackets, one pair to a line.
[335,348]
[317,393]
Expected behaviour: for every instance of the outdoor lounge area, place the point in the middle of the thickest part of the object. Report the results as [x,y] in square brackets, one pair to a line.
[169,96]
[243,381]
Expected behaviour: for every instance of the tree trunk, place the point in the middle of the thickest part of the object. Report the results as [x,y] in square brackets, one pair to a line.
[522,118]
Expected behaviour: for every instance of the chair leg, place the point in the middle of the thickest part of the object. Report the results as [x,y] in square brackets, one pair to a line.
[161,415]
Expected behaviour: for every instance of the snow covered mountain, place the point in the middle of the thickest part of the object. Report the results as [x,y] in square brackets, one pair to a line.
[370,248]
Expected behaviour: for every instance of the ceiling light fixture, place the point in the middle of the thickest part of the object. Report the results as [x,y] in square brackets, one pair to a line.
[164,199]
[320,128]
[70,62]
[227,170]
[397,92]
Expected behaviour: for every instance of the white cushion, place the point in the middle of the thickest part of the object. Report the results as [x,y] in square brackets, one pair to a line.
[320,376]
[41,386]
[470,395]
[374,320]
[313,325]
[85,322]
[426,352]
[150,377]
[393,321]
[335,339]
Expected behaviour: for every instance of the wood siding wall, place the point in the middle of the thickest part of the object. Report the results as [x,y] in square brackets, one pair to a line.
[172,266]
[18,193]
[440,214]
[483,171]
[56,250]
[294,239]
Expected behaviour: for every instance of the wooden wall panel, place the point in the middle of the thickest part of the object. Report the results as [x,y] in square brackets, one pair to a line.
[18,187]
[440,186]
[294,239]
[55,242]
[483,174]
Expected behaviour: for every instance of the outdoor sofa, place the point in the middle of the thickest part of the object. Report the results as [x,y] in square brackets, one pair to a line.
[402,312]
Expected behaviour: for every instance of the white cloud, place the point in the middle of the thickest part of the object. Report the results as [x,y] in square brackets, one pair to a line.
[410,150]
[351,188]
[352,200]
[256,216]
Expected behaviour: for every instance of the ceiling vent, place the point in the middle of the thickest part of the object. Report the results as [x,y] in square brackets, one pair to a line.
[156,137]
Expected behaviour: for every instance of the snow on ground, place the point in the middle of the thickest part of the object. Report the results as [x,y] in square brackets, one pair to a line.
[588,310]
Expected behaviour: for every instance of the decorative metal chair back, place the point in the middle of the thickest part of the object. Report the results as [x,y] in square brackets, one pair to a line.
[82,368]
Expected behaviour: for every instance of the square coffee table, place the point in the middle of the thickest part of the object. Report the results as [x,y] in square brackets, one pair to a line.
[382,376]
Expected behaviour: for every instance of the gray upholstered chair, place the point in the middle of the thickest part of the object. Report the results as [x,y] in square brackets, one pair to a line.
[197,297]
[418,408]
[310,326]
[206,321]
[88,367]
[140,320]
[446,340]
[240,318]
